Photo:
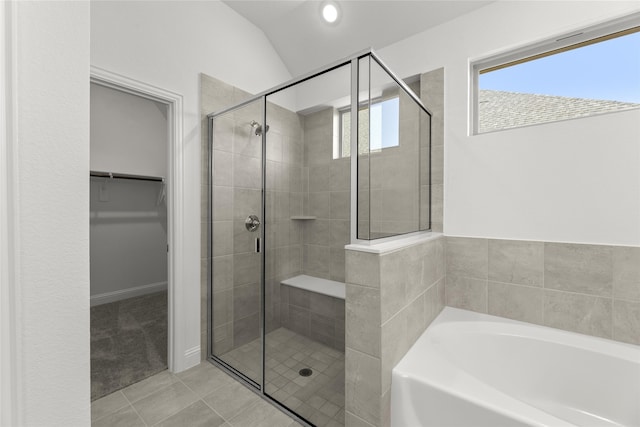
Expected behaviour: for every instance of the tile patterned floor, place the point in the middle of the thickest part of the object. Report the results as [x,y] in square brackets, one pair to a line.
[200,396]
[206,396]
[319,398]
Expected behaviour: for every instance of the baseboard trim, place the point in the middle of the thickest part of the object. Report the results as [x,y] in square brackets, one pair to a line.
[127,293]
[192,357]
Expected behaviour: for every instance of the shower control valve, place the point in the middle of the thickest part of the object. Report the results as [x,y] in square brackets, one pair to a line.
[252,223]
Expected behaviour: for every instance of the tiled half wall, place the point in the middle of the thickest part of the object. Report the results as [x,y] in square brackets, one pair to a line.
[590,289]
[391,299]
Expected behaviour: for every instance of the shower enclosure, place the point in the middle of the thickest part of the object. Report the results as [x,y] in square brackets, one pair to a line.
[339,156]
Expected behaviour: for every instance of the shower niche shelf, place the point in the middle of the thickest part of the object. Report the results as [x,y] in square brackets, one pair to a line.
[303,217]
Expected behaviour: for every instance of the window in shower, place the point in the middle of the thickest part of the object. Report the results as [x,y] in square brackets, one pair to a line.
[381,123]
[589,72]
[393,159]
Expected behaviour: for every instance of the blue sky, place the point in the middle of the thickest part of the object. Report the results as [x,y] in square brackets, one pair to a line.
[606,70]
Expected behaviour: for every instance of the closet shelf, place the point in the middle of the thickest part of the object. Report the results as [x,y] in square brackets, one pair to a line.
[116,175]
[303,217]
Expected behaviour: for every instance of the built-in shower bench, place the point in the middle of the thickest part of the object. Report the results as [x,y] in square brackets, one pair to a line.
[317,285]
[314,307]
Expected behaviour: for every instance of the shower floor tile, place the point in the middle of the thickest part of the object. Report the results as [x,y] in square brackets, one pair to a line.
[319,397]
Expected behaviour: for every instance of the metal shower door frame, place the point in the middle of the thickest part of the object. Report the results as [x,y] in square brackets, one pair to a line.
[254,386]
[353,62]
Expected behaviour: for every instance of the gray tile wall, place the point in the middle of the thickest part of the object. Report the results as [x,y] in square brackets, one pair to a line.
[432,95]
[394,184]
[237,193]
[327,196]
[590,289]
[214,96]
[391,299]
[313,315]
[284,197]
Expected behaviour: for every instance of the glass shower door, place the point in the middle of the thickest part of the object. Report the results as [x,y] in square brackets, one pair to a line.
[307,205]
[236,224]
[305,169]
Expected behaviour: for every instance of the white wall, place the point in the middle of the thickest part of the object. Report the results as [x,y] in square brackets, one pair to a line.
[8,332]
[128,133]
[128,234]
[573,181]
[128,227]
[167,44]
[51,222]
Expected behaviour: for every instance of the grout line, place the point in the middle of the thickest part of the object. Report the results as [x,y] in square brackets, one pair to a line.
[246,408]
[148,394]
[544,286]
[216,412]
[514,284]
[579,293]
[423,293]
[363,353]
[156,391]
[358,417]
[194,392]
[612,318]
[179,410]
[538,287]
[139,416]
[172,414]
[135,410]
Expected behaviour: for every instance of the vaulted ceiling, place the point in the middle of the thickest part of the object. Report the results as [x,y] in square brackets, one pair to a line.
[305,42]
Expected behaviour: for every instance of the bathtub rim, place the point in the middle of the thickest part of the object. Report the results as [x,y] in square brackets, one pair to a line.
[450,317]
[457,382]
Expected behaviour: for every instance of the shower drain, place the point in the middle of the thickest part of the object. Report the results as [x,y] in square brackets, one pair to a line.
[305,372]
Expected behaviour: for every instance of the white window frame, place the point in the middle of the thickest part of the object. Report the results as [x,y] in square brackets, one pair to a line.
[530,52]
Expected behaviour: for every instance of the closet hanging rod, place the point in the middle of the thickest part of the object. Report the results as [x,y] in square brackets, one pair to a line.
[115,175]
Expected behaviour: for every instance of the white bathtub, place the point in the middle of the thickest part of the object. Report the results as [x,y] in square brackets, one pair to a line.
[475,370]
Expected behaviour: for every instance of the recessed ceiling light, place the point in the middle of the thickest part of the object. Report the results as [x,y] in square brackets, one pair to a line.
[330,12]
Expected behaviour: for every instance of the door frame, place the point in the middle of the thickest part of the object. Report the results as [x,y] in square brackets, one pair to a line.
[10,295]
[176,357]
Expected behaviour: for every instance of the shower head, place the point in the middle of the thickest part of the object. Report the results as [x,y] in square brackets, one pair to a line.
[258,127]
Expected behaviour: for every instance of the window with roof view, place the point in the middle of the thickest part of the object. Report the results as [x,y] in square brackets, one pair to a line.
[575,76]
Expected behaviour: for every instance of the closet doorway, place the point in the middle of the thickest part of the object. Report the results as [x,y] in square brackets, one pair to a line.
[130,232]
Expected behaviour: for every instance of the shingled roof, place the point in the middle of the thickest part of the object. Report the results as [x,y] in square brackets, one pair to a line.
[503,110]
